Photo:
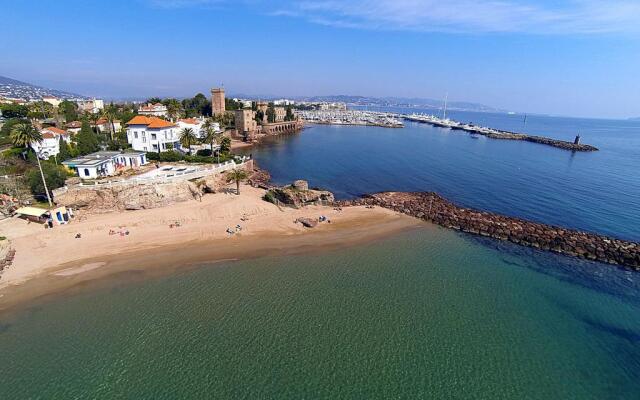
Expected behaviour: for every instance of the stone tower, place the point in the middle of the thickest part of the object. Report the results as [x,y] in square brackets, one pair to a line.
[217,101]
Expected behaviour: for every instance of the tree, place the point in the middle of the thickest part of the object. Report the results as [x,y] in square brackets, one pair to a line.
[187,136]
[50,174]
[211,135]
[289,116]
[174,108]
[41,109]
[271,114]
[225,145]
[237,175]
[23,135]
[14,111]
[109,113]
[86,139]
[69,110]
[154,100]
[65,152]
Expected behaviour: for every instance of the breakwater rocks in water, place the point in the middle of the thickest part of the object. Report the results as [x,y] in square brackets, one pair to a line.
[561,144]
[432,207]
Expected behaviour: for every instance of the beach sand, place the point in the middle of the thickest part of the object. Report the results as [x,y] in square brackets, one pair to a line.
[52,259]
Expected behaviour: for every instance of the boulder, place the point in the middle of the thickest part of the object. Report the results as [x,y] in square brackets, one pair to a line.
[308,222]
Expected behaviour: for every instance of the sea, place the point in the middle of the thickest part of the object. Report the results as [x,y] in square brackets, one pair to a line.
[428,313]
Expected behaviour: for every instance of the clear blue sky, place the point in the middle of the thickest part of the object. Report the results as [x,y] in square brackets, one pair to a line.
[570,57]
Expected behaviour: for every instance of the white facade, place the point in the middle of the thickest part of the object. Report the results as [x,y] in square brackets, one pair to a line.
[196,124]
[93,106]
[105,163]
[50,144]
[156,110]
[152,134]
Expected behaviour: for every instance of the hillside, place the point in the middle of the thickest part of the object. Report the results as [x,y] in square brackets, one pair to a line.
[15,89]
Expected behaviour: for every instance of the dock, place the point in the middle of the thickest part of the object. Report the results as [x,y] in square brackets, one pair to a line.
[499,134]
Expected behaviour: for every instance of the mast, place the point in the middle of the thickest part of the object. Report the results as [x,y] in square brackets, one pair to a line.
[444,113]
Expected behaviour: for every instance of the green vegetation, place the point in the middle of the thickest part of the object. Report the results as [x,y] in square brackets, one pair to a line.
[271,114]
[289,116]
[86,140]
[231,104]
[14,111]
[196,106]
[237,175]
[187,137]
[54,176]
[175,156]
[69,110]
[65,151]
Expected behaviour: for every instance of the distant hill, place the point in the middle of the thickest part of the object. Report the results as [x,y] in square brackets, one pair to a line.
[411,102]
[22,90]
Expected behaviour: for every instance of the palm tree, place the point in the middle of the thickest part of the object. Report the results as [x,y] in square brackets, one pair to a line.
[187,136]
[22,135]
[109,114]
[237,175]
[211,135]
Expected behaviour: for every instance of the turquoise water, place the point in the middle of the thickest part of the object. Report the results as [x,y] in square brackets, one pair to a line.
[597,192]
[426,314]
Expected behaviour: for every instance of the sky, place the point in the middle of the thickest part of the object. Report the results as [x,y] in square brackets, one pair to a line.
[562,57]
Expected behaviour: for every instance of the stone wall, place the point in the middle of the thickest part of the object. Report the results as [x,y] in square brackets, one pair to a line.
[432,207]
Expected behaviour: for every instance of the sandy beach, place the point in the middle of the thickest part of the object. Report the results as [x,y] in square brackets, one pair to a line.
[183,234]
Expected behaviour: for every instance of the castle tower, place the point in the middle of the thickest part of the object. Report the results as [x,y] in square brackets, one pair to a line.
[217,101]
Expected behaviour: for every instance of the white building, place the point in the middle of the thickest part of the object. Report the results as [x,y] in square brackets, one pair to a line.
[105,163]
[50,144]
[156,110]
[93,106]
[54,101]
[73,127]
[152,134]
[197,125]
[103,125]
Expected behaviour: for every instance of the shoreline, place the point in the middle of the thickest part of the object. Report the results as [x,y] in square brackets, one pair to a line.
[50,262]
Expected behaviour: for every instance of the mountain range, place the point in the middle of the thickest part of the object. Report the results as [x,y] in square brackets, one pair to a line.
[12,88]
[15,89]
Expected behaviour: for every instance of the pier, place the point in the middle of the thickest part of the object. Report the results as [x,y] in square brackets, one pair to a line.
[499,134]
[436,209]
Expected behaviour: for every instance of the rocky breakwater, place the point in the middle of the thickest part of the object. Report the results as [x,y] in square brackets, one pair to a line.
[561,144]
[434,208]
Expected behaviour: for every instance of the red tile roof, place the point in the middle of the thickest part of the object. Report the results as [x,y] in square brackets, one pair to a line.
[191,121]
[74,124]
[54,130]
[151,122]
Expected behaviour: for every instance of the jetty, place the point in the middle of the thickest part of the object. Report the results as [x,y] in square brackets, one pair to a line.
[499,134]
[431,207]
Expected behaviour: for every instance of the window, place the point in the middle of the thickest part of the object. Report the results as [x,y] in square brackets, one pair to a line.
[153,136]
[86,172]
[135,134]
[155,147]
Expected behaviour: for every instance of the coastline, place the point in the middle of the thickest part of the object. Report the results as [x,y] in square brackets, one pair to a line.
[52,261]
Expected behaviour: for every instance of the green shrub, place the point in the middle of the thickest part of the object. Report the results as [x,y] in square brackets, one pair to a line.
[55,176]
[170,156]
[204,153]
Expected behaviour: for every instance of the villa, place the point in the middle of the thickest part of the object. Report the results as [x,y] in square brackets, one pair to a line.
[156,110]
[50,144]
[74,127]
[93,106]
[197,125]
[103,125]
[152,134]
[105,163]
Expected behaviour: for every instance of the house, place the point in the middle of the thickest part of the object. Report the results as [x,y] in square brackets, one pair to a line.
[104,126]
[152,134]
[93,106]
[74,127]
[50,144]
[105,163]
[197,125]
[54,101]
[156,110]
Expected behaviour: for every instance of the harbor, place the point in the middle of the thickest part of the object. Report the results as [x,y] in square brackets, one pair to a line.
[498,134]
[352,117]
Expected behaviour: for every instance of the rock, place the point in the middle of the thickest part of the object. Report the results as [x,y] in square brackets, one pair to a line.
[290,196]
[308,222]
[132,197]
[301,185]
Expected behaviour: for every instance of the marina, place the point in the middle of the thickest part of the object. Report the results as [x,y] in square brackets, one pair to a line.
[352,117]
[498,134]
